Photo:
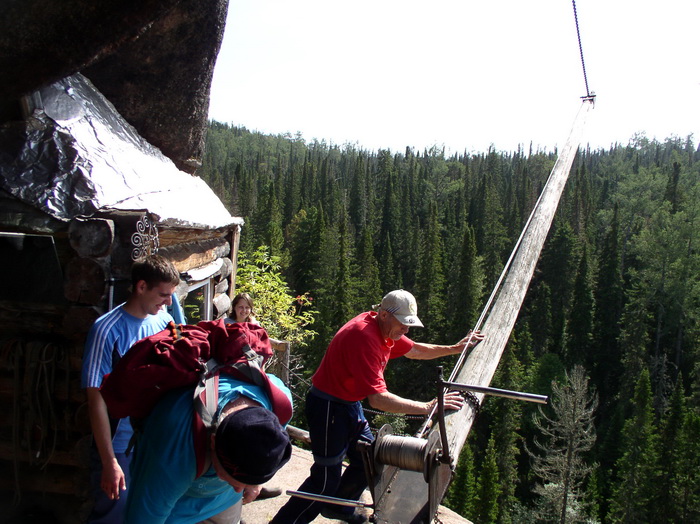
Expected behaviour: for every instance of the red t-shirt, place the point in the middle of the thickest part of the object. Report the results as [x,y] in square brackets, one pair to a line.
[353,366]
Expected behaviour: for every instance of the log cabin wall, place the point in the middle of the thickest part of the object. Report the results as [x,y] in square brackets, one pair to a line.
[59,278]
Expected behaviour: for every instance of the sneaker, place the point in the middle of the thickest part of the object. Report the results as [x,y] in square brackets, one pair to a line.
[268,493]
[335,514]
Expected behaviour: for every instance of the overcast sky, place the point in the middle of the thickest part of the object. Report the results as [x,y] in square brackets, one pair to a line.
[461,74]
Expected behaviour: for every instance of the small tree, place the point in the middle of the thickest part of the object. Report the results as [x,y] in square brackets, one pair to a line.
[461,495]
[569,434]
[283,316]
[686,483]
[488,486]
[637,468]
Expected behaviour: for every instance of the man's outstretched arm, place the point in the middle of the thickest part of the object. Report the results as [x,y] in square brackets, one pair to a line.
[425,351]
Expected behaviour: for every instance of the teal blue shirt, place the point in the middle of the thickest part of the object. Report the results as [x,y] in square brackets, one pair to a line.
[163,485]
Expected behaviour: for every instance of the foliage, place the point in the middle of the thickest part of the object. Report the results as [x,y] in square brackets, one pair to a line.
[461,495]
[560,462]
[637,467]
[617,289]
[284,316]
[488,486]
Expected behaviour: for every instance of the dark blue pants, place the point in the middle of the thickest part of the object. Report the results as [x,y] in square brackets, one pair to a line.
[106,510]
[335,429]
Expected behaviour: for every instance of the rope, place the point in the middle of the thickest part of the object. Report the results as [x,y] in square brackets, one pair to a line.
[16,349]
[403,452]
[580,48]
[43,396]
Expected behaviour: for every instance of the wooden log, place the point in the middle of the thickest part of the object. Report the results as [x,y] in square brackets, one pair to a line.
[222,303]
[282,353]
[170,236]
[196,254]
[91,237]
[85,281]
[205,272]
[62,392]
[221,287]
[29,319]
[226,268]
[77,321]
[481,364]
[65,480]
[235,240]
[58,457]
[298,434]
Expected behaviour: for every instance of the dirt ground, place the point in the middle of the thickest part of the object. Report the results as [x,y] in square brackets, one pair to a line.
[291,476]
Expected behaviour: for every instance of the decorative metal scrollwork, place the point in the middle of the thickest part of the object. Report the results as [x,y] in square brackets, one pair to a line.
[144,239]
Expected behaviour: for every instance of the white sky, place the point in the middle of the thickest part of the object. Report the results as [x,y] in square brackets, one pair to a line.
[459,73]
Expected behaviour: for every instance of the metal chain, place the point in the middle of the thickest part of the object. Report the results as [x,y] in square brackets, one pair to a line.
[473,401]
[397,415]
[580,48]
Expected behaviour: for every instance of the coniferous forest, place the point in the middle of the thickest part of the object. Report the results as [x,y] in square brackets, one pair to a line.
[609,328]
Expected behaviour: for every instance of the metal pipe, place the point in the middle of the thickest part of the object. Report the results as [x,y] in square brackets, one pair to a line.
[332,500]
[529,397]
[445,457]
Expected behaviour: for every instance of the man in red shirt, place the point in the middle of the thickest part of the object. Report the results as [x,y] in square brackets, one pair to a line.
[351,370]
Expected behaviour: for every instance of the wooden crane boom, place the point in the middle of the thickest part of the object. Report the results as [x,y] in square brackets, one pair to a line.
[400,494]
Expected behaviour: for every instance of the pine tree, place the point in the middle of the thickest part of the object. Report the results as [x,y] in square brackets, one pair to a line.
[430,285]
[345,292]
[358,207]
[580,324]
[506,424]
[604,360]
[686,482]
[540,319]
[389,226]
[664,502]
[494,236]
[561,462]
[304,234]
[557,265]
[637,468]
[488,486]
[369,286]
[465,288]
[461,495]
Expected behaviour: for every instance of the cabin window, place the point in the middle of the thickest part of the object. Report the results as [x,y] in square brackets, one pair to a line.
[30,268]
[198,302]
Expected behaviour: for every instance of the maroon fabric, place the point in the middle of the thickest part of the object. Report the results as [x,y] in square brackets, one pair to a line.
[176,357]
[167,360]
[227,343]
[227,340]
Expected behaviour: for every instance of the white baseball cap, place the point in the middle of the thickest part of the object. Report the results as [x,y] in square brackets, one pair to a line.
[402,305]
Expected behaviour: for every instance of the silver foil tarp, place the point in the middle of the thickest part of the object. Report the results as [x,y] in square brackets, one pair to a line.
[75,155]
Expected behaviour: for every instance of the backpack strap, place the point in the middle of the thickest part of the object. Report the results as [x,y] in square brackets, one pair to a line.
[206,399]
[253,369]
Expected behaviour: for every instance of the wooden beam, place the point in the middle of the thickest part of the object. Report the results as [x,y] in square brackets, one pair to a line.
[407,500]
[481,364]
[195,254]
[235,240]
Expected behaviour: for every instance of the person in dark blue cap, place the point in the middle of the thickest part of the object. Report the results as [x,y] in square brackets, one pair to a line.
[248,447]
